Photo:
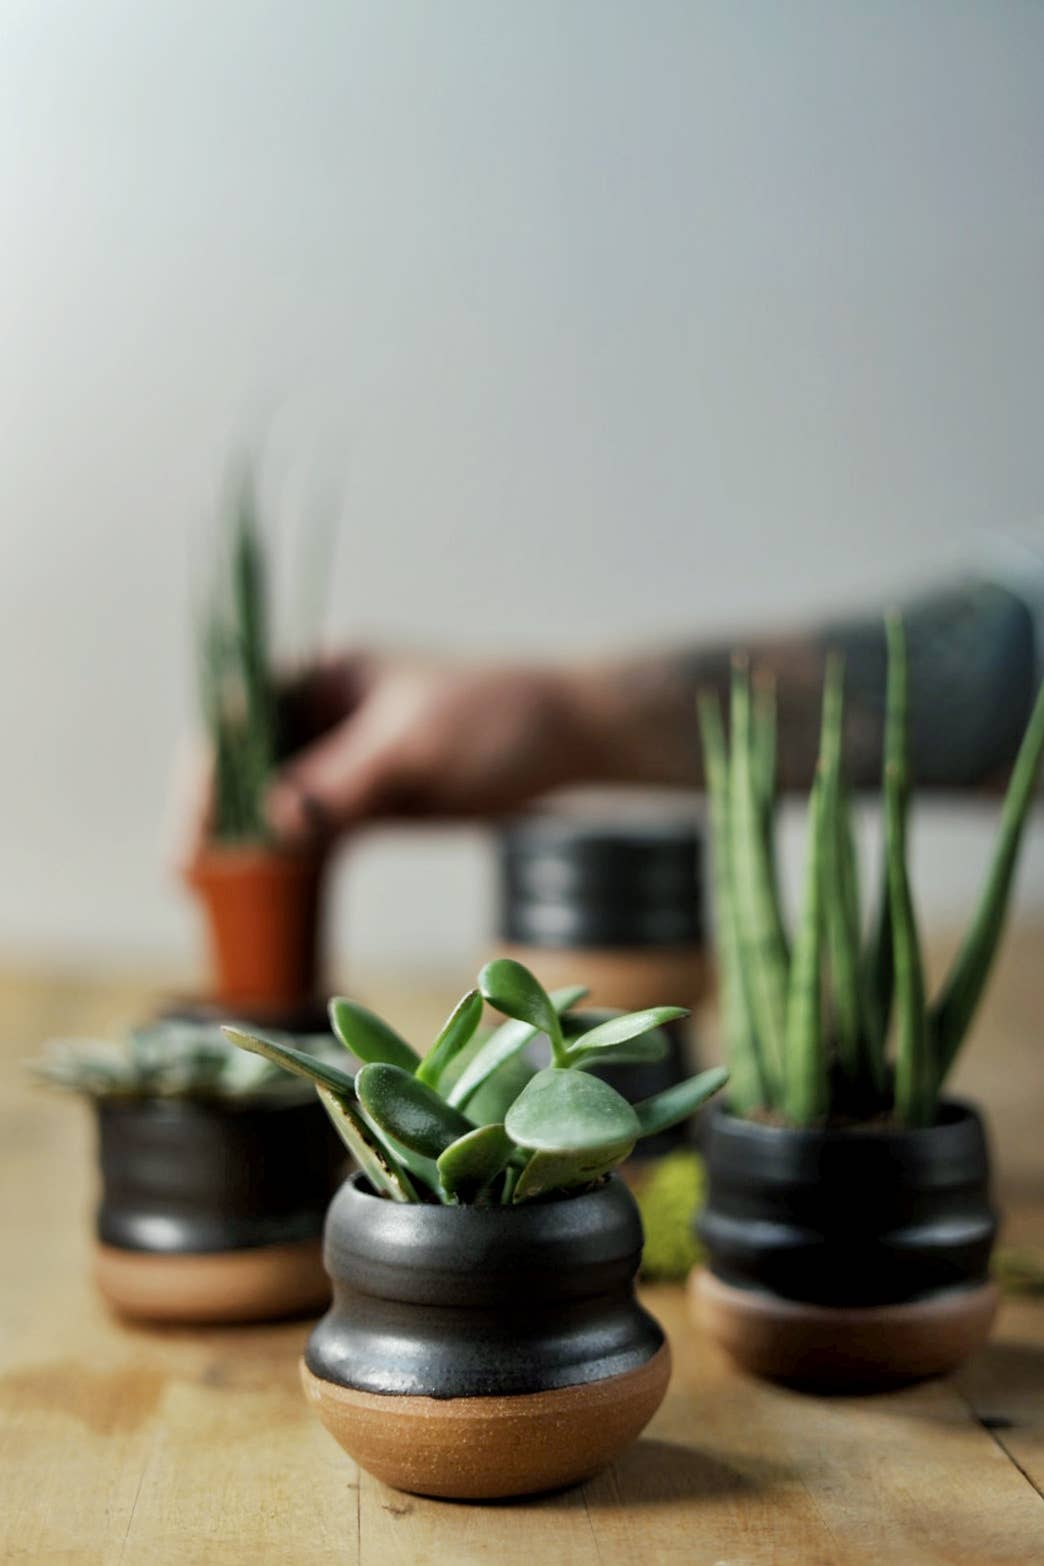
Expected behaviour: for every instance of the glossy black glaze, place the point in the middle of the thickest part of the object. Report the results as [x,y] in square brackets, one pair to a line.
[567,881]
[481,1302]
[864,1217]
[191,1175]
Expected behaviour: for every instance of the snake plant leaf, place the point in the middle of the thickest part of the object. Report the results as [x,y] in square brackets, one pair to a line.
[379,1166]
[512,989]
[762,940]
[618,1030]
[408,1110]
[805,1083]
[368,1036]
[458,1031]
[473,1161]
[955,1006]
[296,1060]
[841,932]
[563,1111]
[678,1102]
[547,1172]
[915,1087]
[503,1043]
[748,1087]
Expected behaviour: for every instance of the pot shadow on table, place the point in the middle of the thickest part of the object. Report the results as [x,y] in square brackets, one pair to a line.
[657,1473]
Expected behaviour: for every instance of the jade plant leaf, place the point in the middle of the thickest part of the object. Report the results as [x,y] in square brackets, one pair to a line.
[636,1052]
[375,1161]
[512,989]
[495,1096]
[562,1111]
[677,1103]
[296,1060]
[546,1172]
[458,1031]
[408,1110]
[470,1163]
[368,1036]
[504,1042]
[631,1025]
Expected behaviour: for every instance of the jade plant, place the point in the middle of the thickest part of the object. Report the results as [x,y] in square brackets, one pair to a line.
[170,1059]
[473,1120]
[806,1015]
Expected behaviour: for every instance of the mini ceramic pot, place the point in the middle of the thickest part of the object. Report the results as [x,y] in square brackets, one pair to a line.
[213,1211]
[263,909]
[845,1259]
[615,902]
[479,1352]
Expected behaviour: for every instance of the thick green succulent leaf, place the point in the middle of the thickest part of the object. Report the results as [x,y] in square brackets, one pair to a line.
[368,1036]
[408,1110]
[494,1098]
[458,1031]
[649,1048]
[512,989]
[295,1060]
[630,1025]
[503,1043]
[377,1163]
[677,1103]
[473,1161]
[563,1111]
[547,1172]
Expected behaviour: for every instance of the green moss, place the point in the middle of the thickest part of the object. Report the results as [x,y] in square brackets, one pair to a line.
[669,1198]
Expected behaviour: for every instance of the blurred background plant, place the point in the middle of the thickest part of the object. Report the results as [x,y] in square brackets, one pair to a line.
[173,1059]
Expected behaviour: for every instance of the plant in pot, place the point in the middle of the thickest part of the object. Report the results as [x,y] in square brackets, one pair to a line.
[848,1223]
[485,1338]
[216,1171]
[262,900]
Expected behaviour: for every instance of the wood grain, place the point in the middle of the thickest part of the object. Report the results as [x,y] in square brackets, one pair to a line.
[156,1446]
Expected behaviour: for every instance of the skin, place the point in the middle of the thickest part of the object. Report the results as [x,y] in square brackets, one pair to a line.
[371,736]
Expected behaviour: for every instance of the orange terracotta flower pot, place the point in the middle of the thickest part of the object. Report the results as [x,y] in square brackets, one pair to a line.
[263,908]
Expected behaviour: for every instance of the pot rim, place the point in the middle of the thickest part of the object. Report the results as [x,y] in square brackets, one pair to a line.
[194,1106]
[953,1113]
[215,858]
[522,1211]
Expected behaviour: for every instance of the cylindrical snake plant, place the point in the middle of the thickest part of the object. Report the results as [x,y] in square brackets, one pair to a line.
[807,1019]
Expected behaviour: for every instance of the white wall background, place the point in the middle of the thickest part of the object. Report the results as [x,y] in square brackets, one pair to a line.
[616,320]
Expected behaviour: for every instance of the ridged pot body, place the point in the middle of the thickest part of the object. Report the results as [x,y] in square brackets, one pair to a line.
[864,1218]
[195,1176]
[466,1302]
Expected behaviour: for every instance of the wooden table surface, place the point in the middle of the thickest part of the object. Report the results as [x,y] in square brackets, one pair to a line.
[149,1446]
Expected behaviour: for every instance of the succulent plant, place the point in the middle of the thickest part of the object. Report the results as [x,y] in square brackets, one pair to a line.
[171,1059]
[238,688]
[806,1021]
[473,1120]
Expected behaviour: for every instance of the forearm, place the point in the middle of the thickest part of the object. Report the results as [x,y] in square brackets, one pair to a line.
[973,679]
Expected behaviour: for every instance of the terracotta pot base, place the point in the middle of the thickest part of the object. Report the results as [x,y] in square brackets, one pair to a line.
[843,1348]
[481,1448]
[260,1283]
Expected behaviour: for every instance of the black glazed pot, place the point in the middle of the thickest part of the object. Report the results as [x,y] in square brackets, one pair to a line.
[213,1210]
[476,1352]
[839,1257]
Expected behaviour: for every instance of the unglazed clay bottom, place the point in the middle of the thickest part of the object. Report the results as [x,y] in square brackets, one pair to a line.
[842,1348]
[258,1283]
[482,1448]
